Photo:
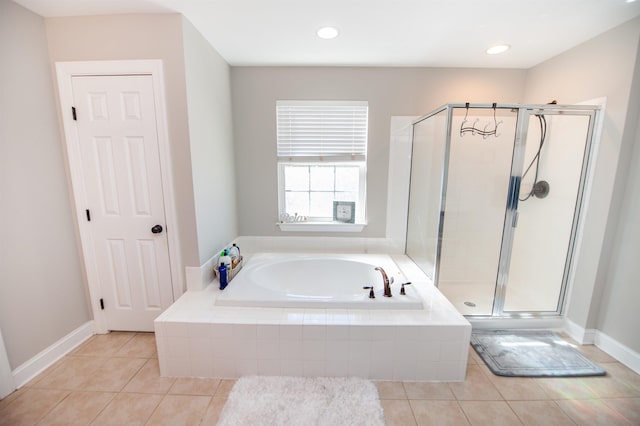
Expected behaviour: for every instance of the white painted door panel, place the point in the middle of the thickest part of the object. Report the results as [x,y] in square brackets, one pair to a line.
[117,133]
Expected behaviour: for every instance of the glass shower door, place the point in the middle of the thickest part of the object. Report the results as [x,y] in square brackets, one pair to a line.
[553,164]
[428,160]
[476,194]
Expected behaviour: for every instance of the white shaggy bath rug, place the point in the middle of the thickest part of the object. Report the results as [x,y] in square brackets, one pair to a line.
[292,401]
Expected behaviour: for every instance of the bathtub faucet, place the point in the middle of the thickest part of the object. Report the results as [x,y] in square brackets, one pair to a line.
[387,282]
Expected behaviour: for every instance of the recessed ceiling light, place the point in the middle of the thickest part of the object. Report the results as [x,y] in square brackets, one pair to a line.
[500,48]
[328,33]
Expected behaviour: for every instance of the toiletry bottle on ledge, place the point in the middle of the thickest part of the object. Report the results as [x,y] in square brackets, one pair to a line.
[222,275]
[225,259]
[234,253]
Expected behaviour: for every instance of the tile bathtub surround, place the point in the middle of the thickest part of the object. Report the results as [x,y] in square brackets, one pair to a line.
[377,352]
[197,338]
[146,398]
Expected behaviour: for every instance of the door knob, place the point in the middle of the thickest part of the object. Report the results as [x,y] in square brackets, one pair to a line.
[156,229]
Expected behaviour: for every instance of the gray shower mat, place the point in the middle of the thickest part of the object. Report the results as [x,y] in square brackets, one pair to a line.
[531,353]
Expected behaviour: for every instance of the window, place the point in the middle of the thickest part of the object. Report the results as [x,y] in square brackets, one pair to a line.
[322,148]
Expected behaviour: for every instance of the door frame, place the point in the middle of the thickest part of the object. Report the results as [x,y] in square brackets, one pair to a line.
[7,381]
[65,72]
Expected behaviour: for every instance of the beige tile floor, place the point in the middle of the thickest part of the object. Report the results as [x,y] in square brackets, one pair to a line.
[114,379]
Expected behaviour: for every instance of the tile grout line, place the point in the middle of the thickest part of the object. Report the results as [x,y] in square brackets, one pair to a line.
[604,401]
[413,414]
[114,393]
[464,413]
[155,409]
[124,386]
[46,413]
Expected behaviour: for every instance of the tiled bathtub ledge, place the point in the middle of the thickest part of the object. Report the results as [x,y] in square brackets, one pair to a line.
[196,338]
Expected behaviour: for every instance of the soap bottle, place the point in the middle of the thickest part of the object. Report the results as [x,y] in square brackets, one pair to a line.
[234,253]
[225,259]
[222,275]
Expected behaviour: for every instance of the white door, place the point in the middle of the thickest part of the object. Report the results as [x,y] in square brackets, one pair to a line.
[117,134]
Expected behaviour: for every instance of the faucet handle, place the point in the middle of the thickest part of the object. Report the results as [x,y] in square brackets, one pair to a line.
[371,293]
[402,287]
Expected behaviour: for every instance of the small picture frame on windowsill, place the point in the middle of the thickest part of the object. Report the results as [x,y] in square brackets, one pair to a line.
[344,211]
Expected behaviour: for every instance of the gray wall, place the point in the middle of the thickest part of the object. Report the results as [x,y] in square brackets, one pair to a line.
[120,37]
[42,293]
[618,312]
[390,91]
[211,142]
[601,67]
[42,296]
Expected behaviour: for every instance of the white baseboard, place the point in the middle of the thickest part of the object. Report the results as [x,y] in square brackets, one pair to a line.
[622,353]
[578,333]
[47,357]
[612,347]
[589,337]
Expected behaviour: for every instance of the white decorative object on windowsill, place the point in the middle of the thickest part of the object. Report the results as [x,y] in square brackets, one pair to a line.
[344,211]
[287,218]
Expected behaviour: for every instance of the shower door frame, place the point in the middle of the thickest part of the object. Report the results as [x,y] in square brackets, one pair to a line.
[524,112]
[443,183]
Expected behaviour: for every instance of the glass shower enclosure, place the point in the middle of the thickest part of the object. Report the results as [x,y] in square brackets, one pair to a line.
[494,202]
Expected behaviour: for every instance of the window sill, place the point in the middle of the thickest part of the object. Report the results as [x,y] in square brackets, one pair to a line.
[321,227]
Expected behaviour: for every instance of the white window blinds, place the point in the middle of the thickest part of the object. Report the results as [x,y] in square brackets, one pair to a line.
[315,130]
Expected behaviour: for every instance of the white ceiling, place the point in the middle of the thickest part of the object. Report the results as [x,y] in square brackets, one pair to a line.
[433,33]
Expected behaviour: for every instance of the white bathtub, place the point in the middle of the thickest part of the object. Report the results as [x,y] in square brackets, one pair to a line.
[318,281]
